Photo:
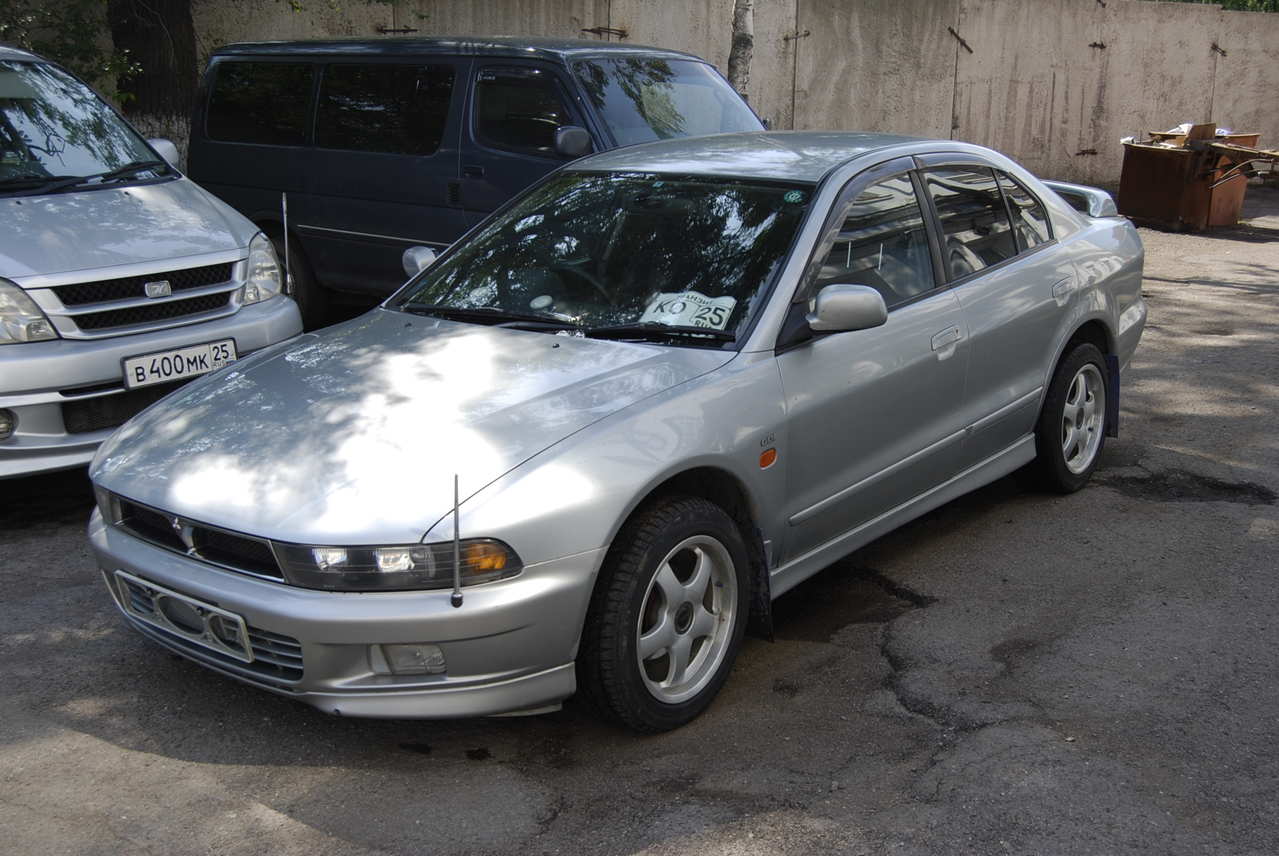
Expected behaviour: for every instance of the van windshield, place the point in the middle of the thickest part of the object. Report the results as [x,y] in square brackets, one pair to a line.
[56,133]
[642,99]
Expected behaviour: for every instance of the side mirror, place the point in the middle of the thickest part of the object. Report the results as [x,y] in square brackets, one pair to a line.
[572,141]
[417,259]
[838,308]
[166,149]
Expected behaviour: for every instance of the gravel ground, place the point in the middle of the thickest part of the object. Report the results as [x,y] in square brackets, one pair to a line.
[1013,673]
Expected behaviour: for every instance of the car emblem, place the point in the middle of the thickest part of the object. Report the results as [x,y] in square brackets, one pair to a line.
[185,532]
[159,288]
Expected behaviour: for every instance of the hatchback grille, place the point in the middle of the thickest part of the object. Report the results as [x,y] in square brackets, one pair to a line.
[129,287]
[229,550]
[152,312]
[110,411]
[275,656]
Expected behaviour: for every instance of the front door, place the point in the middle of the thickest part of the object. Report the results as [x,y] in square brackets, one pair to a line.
[875,415]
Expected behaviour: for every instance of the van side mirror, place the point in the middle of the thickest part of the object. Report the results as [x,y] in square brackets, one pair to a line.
[417,259]
[165,149]
[572,141]
[838,308]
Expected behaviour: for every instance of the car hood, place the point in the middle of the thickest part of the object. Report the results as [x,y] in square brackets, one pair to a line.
[63,232]
[353,435]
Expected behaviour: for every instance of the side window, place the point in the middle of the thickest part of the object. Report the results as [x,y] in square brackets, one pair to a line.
[882,243]
[260,102]
[519,109]
[1030,221]
[974,221]
[399,109]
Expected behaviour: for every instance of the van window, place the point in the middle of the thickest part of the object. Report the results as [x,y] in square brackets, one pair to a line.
[644,99]
[974,221]
[519,109]
[260,102]
[400,109]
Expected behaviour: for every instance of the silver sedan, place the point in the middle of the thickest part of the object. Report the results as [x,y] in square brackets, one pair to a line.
[588,444]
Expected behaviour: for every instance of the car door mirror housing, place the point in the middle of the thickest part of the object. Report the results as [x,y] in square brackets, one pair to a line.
[167,150]
[572,141]
[838,308]
[417,259]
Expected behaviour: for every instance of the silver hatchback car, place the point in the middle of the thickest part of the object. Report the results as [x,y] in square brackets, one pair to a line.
[589,443]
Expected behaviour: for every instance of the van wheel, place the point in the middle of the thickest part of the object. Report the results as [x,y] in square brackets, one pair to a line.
[312,298]
[1072,426]
[667,616]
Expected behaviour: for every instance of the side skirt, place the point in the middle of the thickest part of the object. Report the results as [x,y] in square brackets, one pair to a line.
[995,467]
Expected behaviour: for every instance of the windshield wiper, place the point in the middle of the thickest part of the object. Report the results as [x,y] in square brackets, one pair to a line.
[39,183]
[487,315]
[129,170]
[653,330]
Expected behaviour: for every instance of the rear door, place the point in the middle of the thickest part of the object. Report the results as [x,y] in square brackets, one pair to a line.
[875,416]
[1015,287]
[385,166]
[508,143]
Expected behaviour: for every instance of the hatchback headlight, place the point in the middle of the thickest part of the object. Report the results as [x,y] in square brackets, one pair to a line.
[20,319]
[263,279]
[397,567]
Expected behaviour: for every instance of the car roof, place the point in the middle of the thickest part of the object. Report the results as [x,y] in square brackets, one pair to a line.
[10,52]
[521,46]
[805,156]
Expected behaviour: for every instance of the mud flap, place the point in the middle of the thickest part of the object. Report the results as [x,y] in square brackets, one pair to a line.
[1112,395]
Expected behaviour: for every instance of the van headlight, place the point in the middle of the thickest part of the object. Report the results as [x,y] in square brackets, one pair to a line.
[20,319]
[396,568]
[263,279]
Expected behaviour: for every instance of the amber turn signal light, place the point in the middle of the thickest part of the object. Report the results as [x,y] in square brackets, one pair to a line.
[766,458]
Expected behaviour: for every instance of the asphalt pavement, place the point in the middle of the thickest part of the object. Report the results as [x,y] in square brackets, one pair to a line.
[1013,673]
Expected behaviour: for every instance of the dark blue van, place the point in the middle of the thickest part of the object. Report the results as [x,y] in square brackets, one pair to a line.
[388,144]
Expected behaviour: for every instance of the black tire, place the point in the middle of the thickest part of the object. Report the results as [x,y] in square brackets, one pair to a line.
[1053,468]
[313,299]
[609,671]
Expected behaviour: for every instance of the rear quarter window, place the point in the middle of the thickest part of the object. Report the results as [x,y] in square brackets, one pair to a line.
[260,102]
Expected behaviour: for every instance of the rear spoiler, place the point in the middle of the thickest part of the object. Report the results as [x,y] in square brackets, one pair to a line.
[1092,201]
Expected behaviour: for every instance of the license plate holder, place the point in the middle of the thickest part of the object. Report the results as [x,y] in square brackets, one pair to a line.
[177,363]
[233,640]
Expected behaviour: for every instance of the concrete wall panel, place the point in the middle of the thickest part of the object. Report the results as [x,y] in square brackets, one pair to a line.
[1246,89]
[878,65]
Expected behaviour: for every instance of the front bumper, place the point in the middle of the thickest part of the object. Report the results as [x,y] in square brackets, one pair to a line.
[509,647]
[38,378]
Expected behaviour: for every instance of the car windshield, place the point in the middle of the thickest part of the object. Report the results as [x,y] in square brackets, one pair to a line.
[599,253]
[643,99]
[54,129]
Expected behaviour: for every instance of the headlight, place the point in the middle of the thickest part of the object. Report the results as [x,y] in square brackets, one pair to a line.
[263,279]
[396,568]
[20,319]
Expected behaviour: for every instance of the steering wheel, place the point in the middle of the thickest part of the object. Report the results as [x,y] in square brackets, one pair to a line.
[575,265]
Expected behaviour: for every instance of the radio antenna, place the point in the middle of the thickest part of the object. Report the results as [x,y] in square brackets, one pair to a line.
[456,600]
[288,274]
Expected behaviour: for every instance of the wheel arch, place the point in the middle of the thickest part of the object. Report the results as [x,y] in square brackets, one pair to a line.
[1094,331]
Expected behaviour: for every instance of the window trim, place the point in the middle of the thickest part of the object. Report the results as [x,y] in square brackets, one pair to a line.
[308,120]
[1048,220]
[472,106]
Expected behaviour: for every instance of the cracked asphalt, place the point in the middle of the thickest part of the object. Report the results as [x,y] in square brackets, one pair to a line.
[1013,673]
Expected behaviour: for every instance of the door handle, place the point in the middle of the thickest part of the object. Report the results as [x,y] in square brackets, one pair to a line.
[946,338]
[473,171]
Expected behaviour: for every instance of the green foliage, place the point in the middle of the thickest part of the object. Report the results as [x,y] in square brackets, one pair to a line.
[68,32]
[1240,5]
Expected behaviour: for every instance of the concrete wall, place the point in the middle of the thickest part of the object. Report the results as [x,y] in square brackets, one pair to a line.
[1028,77]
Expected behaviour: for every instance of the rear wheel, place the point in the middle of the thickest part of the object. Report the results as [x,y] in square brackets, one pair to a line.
[1072,426]
[668,616]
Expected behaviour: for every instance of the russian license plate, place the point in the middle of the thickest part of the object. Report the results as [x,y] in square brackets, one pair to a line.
[177,364]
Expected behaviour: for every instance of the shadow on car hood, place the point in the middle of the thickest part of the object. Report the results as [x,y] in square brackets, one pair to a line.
[353,434]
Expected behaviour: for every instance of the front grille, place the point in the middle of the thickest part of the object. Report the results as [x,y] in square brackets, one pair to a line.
[129,287]
[276,657]
[110,411]
[152,312]
[218,546]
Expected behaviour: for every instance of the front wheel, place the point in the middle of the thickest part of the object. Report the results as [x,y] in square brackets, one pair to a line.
[667,616]
[311,297]
[1072,426]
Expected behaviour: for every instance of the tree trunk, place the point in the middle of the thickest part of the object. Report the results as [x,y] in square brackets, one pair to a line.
[160,36]
[739,55]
